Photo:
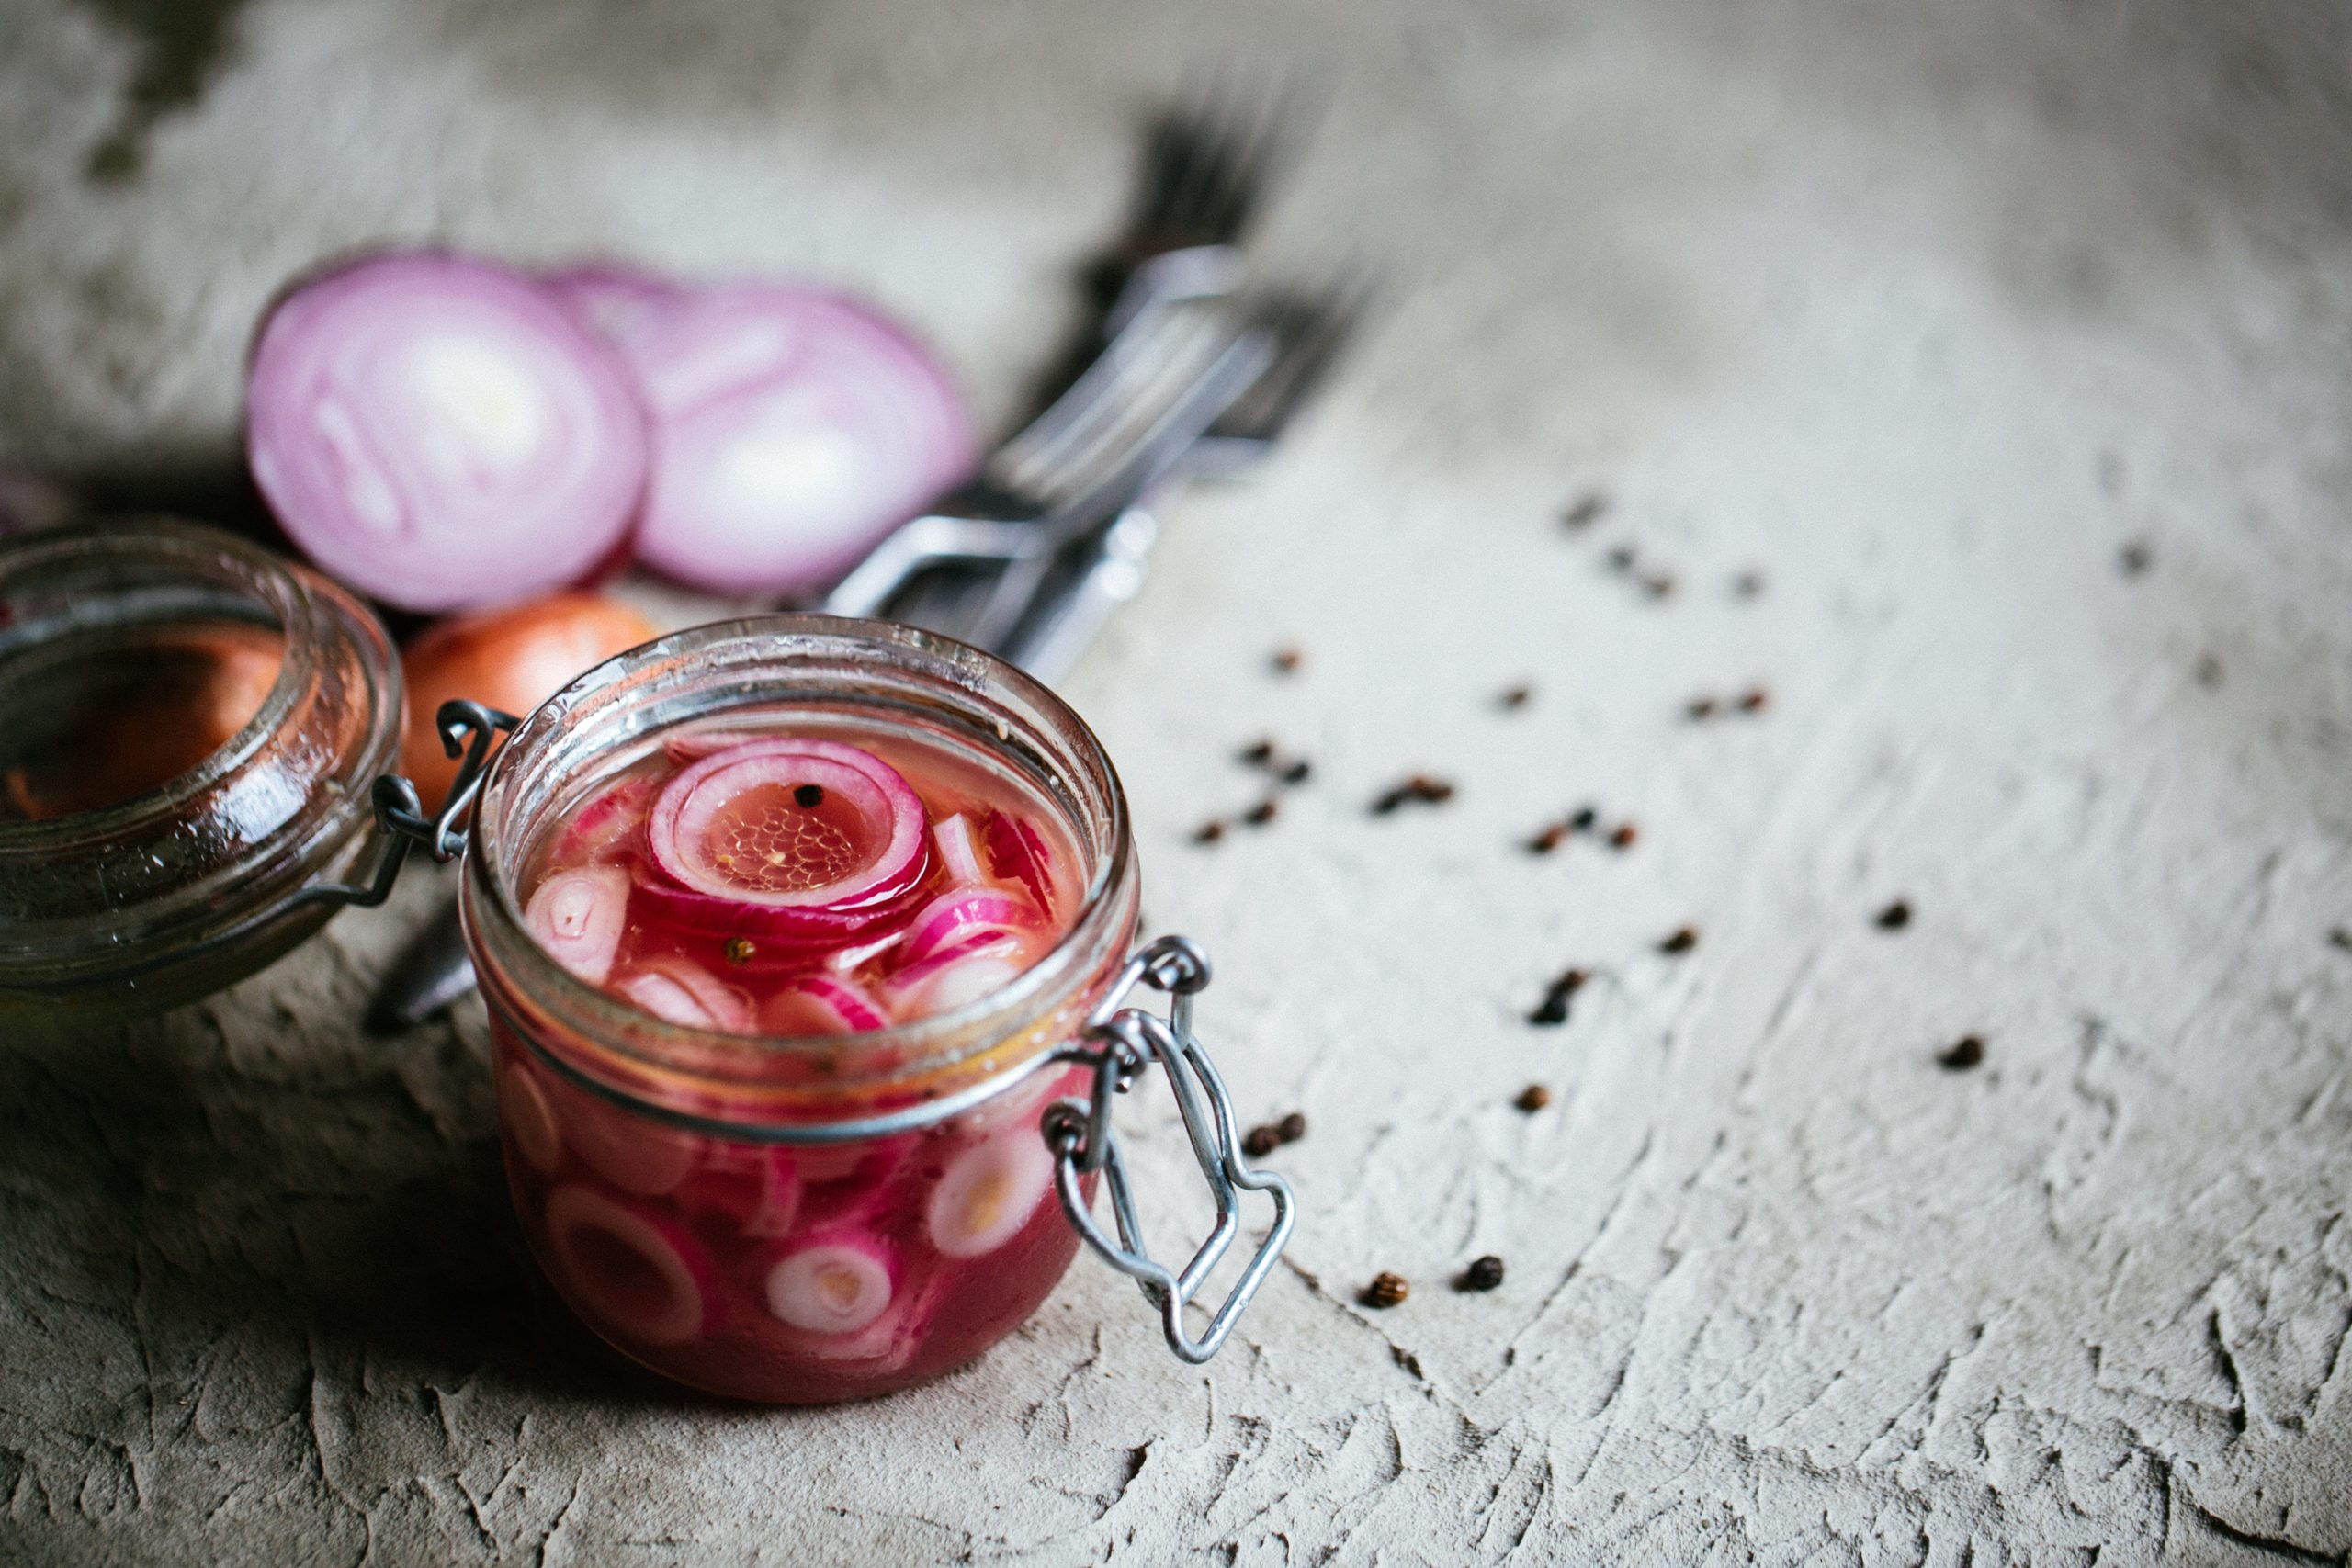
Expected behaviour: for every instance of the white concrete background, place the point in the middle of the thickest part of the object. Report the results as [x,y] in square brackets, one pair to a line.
[1926,313]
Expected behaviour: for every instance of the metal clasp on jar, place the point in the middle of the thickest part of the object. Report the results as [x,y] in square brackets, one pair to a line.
[466,728]
[1120,1043]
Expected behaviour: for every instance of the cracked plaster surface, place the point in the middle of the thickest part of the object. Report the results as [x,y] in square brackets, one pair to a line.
[1929,317]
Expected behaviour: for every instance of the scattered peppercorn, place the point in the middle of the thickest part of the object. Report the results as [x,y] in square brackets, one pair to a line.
[1754,699]
[1261,1141]
[1550,839]
[1292,1127]
[1515,697]
[1584,817]
[1700,709]
[1620,558]
[1659,585]
[2134,557]
[1483,1274]
[739,950]
[1262,813]
[1894,917]
[1258,754]
[1533,1098]
[809,795]
[1585,509]
[1387,1290]
[1295,771]
[1680,942]
[1623,839]
[1747,584]
[2342,937]
[1966,1052]
[1553,1011]
[1421,787]
[1210,831]
[1287,661]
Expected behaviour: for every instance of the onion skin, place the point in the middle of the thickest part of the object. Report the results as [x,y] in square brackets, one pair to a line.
[437,430]
[514,659]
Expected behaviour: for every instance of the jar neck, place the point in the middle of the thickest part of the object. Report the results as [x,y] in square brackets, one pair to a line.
[775,665]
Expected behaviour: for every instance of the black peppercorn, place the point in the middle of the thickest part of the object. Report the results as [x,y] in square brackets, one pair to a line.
[1483,1274]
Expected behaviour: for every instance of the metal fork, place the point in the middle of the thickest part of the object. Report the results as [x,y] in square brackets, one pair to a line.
[1207,168]
[1103,570]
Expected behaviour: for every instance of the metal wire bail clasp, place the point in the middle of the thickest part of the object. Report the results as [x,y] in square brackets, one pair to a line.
[1120,1043]
[466,728]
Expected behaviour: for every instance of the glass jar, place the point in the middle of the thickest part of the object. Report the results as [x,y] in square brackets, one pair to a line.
[817,1219]
[189,727]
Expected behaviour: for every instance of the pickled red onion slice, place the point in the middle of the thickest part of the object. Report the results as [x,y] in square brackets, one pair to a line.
[530,1121]
[1017,852]
[988,1193]
[791,824]
[822,1004]
[958,853]
[578,916]
[749,1191]
[632,1152]
[437,432]
[834,1286]
[791,429]
[676,991]
[607,827]
[628,1270]
[960,912]
[970,967]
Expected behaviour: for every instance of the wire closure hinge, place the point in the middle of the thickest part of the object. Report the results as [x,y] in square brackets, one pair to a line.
[1120,1043]
[468,730]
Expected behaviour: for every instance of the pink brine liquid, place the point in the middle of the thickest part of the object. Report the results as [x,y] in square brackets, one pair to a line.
[812,881]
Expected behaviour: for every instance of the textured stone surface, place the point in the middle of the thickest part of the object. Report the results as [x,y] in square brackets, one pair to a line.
[1926,314]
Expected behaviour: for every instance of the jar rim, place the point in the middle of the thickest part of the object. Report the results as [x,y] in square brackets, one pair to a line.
[493,908]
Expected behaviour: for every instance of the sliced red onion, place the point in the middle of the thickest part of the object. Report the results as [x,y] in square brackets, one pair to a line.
[627,1270]
[746,1189]
[631,1152]
[989,1192]
[437,432]
[834,1285]
[530,1121]
[958,853]
[608,828]
[693,746]
[787,824]
[579,916]
[885,1346]
[860,1168]
[1018,852]
[957,914]
[792,428]
[676,991]
[613,298]
[822,1004]
[974,965]
[788,937]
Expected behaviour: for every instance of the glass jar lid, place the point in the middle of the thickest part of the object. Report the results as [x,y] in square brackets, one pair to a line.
[189,726]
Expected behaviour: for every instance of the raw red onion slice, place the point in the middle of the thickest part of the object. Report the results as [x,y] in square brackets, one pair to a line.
[791,429]
[578,916]
[530,1121]
[687,994]
[787,824]
[1017,852]
[437,432]
[989,1192]
[613,298]
[958,853]
[834,1285]
[822,1004]
[629,1271]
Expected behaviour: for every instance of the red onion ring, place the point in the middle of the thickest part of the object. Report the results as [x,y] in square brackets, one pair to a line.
[437,432]
[693,805]
[792,428]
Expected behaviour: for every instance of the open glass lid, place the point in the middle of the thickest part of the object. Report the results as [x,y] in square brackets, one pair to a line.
[189,726]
